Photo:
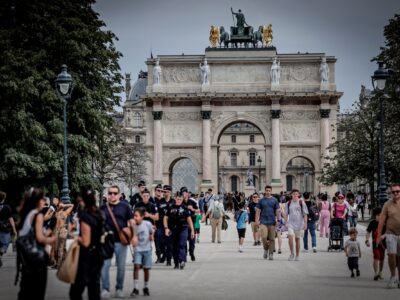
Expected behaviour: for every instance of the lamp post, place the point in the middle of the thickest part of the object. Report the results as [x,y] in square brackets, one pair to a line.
[64,87]
[259,172]
[378,82]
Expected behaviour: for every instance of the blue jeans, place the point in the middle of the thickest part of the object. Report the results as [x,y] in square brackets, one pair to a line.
[311,229]
[120,255]
[353,221]
[5,240]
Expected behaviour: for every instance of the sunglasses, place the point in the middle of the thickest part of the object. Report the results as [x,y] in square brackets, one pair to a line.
[112,193]
[395,192]
[158,190]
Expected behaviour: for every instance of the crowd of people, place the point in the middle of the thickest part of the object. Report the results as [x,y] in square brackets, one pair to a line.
[172,221]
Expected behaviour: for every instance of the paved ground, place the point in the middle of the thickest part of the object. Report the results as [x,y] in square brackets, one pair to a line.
[220,272]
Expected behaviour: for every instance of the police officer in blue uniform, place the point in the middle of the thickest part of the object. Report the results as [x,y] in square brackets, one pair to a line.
[135,199]
[162,206]
[178,223]
[193,208]
[166,203]
[150,209]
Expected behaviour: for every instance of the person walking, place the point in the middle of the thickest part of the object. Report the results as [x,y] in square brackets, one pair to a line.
[123,216]
[33,279]
[390,218]
[142,254]
[251,211]
[216,213]
[353,213]
[193,208]
[178,223]
[280,227]
[296,219]
[378,250]
[90,259]
[353,252]
[241,219]
[324,216]
[267,215]
[313,216]
[360,201]
[7,225]
[166,203]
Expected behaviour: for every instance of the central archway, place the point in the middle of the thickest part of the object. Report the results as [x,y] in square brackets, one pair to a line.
[183,172]
[241,147]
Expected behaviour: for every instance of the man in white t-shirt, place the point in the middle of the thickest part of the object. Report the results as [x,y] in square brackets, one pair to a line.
[296,219]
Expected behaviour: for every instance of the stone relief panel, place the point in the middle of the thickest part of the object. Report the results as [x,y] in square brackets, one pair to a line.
[182,133]
[311,154]
[178,75]
[218,117]
[299,132]
[240,74]
[182,116]
[299,115]
[300,72]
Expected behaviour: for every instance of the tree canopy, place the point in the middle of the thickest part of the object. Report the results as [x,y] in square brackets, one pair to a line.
[38,36]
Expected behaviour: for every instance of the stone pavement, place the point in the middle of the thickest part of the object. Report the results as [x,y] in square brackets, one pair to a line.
[221,272]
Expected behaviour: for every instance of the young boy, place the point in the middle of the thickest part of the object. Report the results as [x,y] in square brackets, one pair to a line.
[142,255]
[378,249]
[353,252]
[197,227]
[241,220]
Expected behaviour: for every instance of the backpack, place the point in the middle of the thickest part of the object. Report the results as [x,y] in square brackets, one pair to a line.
[313,212]
[217,213]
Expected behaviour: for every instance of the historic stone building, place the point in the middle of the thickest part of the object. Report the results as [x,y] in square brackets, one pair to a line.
[207,119]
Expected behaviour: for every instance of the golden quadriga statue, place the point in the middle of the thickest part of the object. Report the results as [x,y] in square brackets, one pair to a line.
[214,36]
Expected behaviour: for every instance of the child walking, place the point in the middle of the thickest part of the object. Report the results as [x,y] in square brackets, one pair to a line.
[377,249]
[241,220]
[353,252]
[197,226]
[142,255]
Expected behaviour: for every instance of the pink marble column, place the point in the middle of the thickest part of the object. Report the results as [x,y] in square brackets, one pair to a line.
[157,160]
[206,116]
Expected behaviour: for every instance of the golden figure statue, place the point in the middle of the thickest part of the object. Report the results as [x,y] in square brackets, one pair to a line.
[267,35]
[214,36]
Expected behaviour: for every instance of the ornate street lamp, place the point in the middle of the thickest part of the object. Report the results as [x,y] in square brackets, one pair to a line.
[379,82]
[64,87]
[259,172]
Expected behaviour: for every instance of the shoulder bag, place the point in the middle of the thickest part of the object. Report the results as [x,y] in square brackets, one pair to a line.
[69,267]
[126,234]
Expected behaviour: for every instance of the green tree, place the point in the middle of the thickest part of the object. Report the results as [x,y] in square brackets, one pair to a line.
[37,37]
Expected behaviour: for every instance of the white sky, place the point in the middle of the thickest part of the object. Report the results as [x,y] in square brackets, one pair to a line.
[350,30]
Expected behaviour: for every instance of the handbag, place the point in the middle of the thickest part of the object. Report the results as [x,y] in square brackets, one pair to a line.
[106,246]
[126,234]
[224,224]
[69,267]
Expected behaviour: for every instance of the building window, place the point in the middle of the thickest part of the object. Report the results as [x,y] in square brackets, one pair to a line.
[234,159]
[234,183]
[137,120]
[252,158]
[137,139]
[251,138]
[233,138]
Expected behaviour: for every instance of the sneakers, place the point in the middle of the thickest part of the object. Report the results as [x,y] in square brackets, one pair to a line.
[168,263]
[135,293]
[279,251]
[162,259]
[105,294]
[119,294]
[198,240]
[255,243]
[259,243]
[297,258]
[271,256]
[352,274]
[376,277]
[358,273]
[314,250]
[182,265]
[146,292]
[392,284]
[176,267]
[240,250]
[291,257]
[157,261]
[192,257]
[265,256]
[380,276]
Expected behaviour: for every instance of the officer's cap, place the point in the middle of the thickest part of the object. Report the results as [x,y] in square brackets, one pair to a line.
[167,188]
[141,183]
[184,189]
[159,186]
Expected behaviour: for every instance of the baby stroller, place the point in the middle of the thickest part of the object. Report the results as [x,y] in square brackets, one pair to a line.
[336,234]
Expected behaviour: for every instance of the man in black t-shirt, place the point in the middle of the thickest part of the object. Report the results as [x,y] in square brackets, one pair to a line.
[124,218]
[136,198]
[150,209]
[251,210]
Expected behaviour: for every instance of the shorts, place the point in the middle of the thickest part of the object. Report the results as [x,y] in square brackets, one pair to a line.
[143,258]
[241,232]
[379,253]
[254,227]
[197,230]
[393,244]
[298,234]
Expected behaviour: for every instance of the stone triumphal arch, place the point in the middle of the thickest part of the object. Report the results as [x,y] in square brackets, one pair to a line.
[187,115]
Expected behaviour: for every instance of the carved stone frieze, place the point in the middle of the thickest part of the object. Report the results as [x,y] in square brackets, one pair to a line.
[299,115]
[182,116]
[176,75]
[299,132]
[300,72]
